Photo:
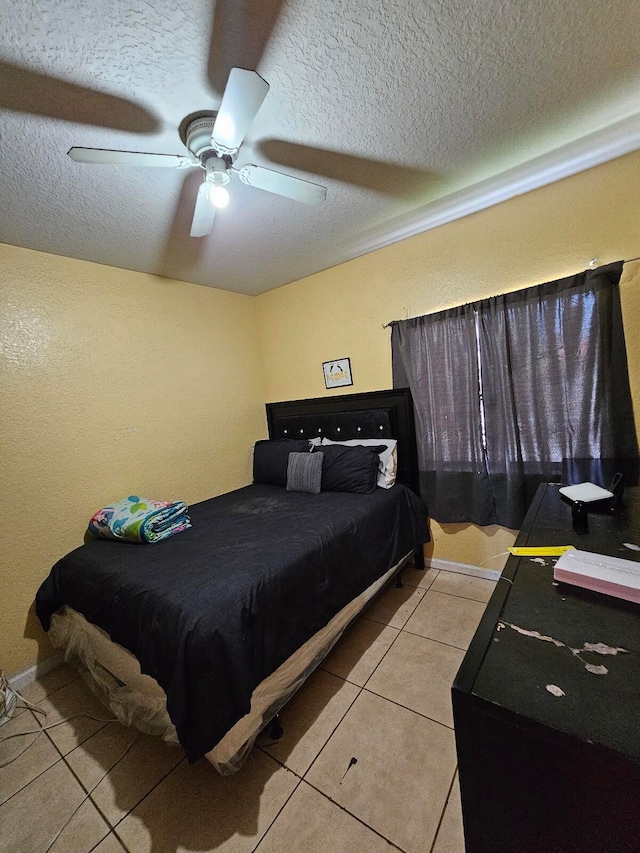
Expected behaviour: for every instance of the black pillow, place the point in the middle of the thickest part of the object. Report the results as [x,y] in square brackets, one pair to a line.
[304,472]
[270,459]
[350,469]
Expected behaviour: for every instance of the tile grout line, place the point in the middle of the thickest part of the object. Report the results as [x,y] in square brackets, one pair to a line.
[53,692]
[433,640]
[51,741]
[351,704]
[302,780]
[77,778]
[423,589]
[281,809]
[113,827]
[149,792]
[89,793]
[361,686]
[76,677]
[351,814]
[381,659]
[121,842]
[326,797]
[26,785]
[80,782]
[412,710]
[320,665]
[63,755]
[101,840]
[37,776]
[335,728]
[452,594]
[444,808]
[399,630]
[46,733]
[281,762]
[463,597]
[88,797]
[378,622]
[370,692]
[354,683]
[466,569]
[303,777]
[416,585]
[388,624]
[399,704]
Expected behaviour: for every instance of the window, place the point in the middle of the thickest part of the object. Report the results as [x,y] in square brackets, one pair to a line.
[516,390]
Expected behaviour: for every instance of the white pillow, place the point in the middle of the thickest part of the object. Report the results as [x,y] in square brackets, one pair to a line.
[314,442]
[388,459]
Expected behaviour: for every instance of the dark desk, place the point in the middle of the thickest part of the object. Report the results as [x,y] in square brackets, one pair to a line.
[540,771]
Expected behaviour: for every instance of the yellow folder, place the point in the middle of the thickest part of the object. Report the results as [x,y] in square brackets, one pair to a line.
[542,551]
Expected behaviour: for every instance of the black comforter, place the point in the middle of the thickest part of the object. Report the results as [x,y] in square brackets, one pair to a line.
[213,611]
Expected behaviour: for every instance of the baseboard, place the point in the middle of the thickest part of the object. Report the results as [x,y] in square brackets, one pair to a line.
[27,676]
[462,569]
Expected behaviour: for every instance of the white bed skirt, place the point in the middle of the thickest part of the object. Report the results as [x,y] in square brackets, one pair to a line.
[113,674]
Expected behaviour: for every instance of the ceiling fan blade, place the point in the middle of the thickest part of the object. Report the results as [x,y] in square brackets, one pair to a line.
[180,254]
[280,184]
[28,91]
[203,214]
[243,95]
[129,158]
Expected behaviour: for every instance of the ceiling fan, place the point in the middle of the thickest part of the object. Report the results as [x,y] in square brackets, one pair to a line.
[213,144]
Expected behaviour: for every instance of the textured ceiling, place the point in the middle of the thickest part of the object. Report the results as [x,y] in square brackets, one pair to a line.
[391,105]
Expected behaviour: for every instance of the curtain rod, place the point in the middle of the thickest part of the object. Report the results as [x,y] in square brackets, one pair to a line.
[593,261]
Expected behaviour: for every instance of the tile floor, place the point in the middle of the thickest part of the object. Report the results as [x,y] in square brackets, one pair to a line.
[367,761]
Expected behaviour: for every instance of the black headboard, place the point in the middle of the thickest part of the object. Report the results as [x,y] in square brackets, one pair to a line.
[376,414]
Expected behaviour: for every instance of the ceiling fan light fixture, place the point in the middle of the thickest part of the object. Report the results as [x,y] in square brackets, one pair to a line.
[218,196]
[216,180]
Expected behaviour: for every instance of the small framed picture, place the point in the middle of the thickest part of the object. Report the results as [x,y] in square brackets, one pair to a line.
[337,373]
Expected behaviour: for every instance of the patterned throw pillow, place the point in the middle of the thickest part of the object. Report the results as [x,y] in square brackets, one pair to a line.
[304,472]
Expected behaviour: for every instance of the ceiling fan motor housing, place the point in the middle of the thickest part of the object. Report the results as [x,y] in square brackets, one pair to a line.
[199,143]
[198,135]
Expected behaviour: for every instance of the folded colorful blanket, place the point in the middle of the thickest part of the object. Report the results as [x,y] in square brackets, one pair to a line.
[137,519]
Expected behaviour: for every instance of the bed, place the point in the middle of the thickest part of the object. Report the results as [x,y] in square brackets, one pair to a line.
[204,637]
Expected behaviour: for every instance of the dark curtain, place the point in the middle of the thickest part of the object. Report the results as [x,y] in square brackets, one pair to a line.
[541,373]
[438,356]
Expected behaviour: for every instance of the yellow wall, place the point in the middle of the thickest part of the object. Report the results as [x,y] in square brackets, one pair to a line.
[110,382]
[84,419]
[543,235]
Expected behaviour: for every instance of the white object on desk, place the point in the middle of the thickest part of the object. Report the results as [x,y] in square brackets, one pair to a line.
[585,492]
[609,575]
